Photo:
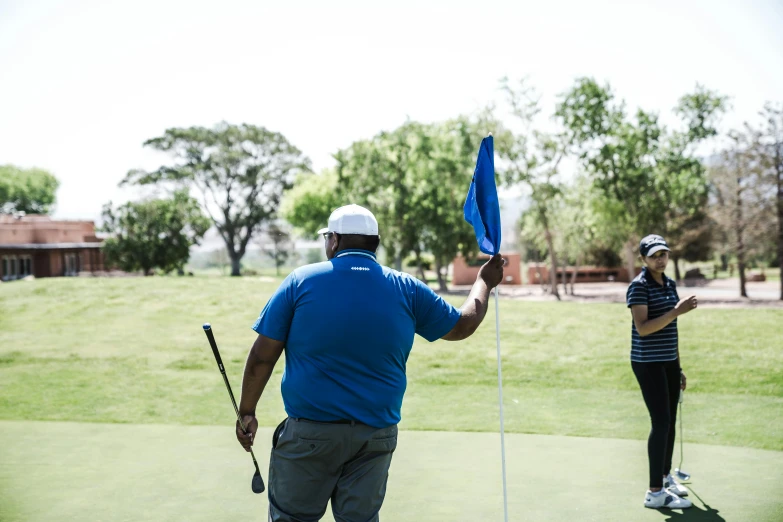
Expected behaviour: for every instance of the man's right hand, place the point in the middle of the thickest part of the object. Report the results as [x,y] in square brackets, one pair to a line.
[685,305]
[246,438]
[492,271]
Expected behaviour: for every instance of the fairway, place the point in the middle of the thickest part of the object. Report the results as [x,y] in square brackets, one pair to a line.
[145,421]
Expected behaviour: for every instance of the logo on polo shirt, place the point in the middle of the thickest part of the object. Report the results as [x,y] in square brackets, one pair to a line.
[362,268]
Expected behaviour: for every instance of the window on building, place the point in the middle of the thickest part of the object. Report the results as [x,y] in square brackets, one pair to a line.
[72,264]
[16,267]
[25,266]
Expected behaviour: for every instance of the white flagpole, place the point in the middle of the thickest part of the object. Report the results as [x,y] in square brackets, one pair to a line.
[500,397]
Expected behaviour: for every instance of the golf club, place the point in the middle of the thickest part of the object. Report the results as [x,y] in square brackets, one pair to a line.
[258,483]
[681,475]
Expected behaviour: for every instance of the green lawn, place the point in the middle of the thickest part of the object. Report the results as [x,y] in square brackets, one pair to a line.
[144,429]
[65,471]
[131,350]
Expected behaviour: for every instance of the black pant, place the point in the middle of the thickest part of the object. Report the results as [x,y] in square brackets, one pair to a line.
[660,384]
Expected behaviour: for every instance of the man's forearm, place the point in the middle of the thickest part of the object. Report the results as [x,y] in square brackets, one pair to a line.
[475,306]
[254,381]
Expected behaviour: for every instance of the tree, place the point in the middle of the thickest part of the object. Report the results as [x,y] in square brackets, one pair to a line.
[688,226]
[31,191]
[683,189]
[308,204]
[742,206]
[772,141]
[378,173]
[241,172]
[156,233]
[585,236]
[690,238]
[442,175]
[737,165]
[276,242]
[651,173]
[414,179]
[537,227]
[532,159]
[582,234]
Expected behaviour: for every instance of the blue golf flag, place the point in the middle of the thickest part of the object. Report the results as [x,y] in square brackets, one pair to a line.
[482,209]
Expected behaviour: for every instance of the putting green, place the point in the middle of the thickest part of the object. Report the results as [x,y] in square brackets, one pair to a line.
[62,471]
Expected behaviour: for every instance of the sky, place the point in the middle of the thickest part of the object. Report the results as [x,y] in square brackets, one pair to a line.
[86,82]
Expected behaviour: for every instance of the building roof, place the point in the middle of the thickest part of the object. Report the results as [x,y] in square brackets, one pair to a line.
[49,246]
[35,232]
[38,218]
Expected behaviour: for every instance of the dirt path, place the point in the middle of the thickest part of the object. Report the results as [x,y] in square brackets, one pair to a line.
[711,293]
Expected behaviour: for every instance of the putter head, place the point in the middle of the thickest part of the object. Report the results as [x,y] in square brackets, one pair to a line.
[681,475]
[258,483]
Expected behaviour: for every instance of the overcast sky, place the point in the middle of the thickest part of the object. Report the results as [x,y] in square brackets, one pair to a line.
[85,82]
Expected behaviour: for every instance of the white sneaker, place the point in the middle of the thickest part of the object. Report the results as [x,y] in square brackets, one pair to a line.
[666,499]
[671,484]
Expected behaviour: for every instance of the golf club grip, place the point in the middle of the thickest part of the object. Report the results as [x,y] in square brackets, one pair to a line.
[216,353]
[213,345]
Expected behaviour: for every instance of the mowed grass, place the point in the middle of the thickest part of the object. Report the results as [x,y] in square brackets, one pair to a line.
[131,350]
[63,471]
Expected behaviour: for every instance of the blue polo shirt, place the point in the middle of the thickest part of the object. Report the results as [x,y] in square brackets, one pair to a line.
[348,327]
[662,345]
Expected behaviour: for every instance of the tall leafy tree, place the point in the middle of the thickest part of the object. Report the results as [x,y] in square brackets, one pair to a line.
[31,191]
[651,172]
[156,233]
[532,159]
[771,141]
[442,176]
[309,202]
[585,235]
[745,202]
[378,173]
[414,179]
[240,172]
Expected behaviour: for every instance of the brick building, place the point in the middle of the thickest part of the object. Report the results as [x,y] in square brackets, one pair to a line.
[39,246]
[465,273]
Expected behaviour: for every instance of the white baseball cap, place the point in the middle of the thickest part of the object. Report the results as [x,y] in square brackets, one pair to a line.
[352,219]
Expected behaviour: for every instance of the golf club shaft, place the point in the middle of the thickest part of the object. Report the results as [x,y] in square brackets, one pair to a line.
[216,353]
[680,415]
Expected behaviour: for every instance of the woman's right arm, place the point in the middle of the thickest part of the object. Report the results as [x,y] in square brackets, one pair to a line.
[646,326]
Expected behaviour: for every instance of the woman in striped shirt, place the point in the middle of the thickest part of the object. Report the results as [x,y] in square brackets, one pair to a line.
[655,359]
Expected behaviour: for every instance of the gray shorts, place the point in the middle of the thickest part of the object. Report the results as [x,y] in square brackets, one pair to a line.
[314,462]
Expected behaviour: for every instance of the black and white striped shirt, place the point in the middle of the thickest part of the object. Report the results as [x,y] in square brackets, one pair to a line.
[661,345]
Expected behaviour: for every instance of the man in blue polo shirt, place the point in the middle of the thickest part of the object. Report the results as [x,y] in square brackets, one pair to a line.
[347,326]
